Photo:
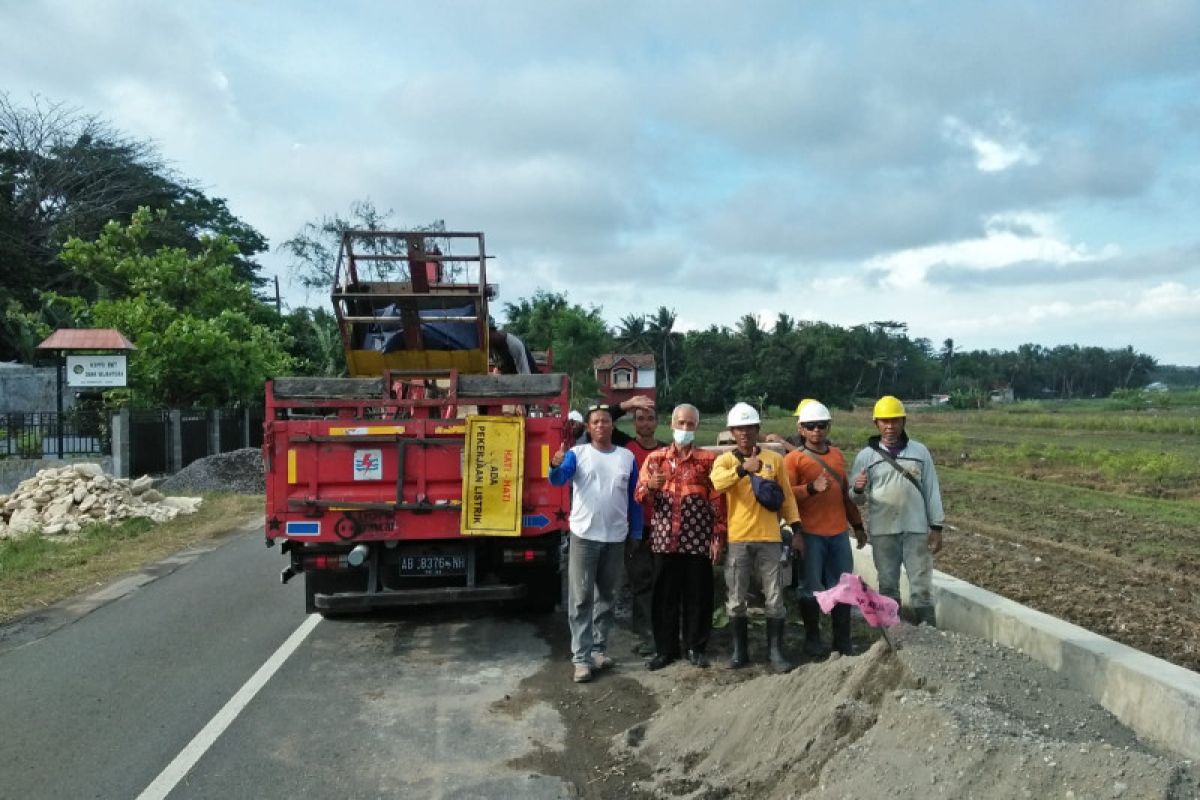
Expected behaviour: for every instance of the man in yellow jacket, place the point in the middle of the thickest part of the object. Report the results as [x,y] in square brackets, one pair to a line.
[754,509]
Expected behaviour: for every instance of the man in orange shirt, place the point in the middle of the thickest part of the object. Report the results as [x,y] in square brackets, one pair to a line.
[817,473]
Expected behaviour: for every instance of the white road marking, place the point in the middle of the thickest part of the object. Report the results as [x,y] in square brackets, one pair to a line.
[198,746]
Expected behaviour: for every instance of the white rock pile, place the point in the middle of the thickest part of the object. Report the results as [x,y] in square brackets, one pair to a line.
[62,501]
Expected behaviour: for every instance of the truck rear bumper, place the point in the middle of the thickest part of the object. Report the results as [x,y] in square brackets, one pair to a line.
[362,601]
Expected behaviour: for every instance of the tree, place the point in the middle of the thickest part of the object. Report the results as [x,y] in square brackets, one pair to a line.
[666,342]
[66,174]
[632,335]
[947,359]
[316,342]
[202,335]
[576,336]
[315,247]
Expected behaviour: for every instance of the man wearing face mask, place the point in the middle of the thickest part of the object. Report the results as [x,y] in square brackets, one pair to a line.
[686,528]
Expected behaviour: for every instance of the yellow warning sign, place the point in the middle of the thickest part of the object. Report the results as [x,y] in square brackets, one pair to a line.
[493,472]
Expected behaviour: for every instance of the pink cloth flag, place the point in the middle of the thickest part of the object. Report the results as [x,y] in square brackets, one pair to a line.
[878,610]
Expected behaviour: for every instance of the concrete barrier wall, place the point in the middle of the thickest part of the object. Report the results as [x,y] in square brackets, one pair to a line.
[1158,700]
[26,390]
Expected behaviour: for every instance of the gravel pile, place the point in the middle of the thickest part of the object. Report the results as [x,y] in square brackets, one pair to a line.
[238,471]
[945,716]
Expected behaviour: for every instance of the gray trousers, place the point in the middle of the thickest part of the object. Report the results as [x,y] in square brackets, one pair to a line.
[746,559]
[911,550]
[593,575]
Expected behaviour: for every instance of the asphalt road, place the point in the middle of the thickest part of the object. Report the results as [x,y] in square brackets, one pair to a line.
[401,706]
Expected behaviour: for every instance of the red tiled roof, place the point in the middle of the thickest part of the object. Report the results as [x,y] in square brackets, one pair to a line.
[639,360]
[86,339]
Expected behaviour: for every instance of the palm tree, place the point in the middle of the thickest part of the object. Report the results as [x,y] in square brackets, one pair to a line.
[661,333]
[632,334]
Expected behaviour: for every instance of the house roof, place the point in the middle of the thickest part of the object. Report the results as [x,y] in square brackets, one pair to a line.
[639,360]
[86,339]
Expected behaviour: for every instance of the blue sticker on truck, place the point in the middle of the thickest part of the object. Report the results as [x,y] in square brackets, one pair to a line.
[303,529]
[535,521]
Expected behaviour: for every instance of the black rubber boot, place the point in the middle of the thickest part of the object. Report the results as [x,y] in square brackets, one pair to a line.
[810,615]
[841,629]
[779,661]
[741,653]
[925,614]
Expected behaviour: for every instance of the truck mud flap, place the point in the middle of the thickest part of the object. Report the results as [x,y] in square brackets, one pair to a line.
[361,601]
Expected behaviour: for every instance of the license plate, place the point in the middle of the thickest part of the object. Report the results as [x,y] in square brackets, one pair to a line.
[433,565]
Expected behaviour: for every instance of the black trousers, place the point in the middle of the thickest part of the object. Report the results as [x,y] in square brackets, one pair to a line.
[682,583]
[639,573]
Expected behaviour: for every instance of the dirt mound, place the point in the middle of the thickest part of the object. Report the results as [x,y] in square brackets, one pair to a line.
[238,471]
[945,716]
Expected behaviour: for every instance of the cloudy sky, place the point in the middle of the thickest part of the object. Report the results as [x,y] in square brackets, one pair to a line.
[997,173]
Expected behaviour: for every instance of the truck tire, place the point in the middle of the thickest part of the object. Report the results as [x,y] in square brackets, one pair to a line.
[331,582]
[313,584]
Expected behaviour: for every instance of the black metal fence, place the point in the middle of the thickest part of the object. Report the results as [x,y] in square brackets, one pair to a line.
[42,434]
[149,442]
[158,441]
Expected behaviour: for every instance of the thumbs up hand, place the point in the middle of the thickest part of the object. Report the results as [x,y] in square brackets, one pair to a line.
[860,482]
[654,479]
[559,455]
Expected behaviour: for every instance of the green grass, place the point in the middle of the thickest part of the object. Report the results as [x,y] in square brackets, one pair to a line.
[1093,444]
[36,554]
[36,571]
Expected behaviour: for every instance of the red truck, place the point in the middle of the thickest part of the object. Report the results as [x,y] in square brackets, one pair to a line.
[423,477]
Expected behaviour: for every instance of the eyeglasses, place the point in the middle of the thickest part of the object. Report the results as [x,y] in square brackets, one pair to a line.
[814,426]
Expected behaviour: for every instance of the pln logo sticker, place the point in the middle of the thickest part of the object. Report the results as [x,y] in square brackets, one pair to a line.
[368,465]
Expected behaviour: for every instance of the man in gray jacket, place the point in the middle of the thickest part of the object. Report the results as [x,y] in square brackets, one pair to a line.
[896,480]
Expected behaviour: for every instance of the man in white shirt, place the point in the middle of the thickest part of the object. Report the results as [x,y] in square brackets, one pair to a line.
[603,513]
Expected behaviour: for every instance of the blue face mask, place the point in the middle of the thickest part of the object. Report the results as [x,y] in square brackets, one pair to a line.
[683,438]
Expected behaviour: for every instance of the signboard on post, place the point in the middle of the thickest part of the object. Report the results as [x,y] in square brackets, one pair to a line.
[104,370]
[493,474]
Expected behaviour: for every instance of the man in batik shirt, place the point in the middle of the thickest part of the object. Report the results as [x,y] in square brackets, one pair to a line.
[685,538]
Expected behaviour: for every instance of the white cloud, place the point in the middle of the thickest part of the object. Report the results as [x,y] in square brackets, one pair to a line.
[711,162]
[1008,239]
[994,153]
[1166,301]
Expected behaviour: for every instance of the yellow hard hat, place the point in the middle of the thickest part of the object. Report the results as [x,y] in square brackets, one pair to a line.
[888,407]
[801,405]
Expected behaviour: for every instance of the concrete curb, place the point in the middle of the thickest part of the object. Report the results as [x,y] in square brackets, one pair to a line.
[1158,700]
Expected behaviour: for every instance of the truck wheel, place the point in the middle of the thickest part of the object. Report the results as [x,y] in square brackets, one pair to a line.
[313,584]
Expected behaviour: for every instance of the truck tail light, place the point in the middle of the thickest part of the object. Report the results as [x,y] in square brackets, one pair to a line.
[324,562]
[530,556]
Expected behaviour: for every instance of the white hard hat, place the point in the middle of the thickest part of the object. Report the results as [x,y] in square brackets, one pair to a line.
[575,416]
[742,414]
[815,412]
